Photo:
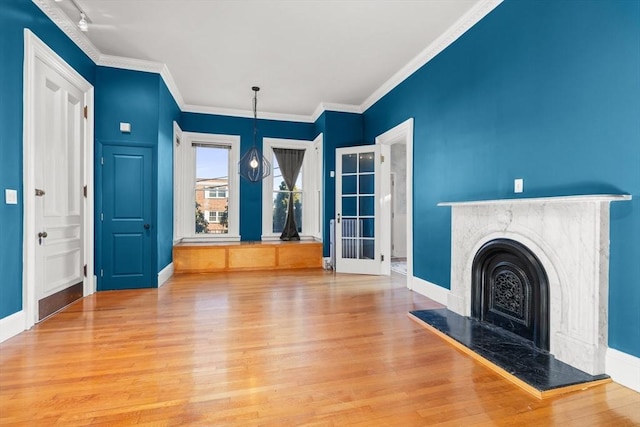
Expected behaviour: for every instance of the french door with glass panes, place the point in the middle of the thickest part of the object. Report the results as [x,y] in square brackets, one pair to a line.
[357,222]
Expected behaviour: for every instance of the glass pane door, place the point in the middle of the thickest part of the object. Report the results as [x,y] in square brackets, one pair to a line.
[356,223]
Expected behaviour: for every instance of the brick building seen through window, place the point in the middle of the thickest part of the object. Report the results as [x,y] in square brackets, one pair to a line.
[212,197]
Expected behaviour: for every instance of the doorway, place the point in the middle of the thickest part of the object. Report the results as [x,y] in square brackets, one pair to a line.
[57,183]
[397,195]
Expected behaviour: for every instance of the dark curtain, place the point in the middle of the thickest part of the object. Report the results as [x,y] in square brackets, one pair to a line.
[290,162]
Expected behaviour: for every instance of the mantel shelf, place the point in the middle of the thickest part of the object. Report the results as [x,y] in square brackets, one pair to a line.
[555,199]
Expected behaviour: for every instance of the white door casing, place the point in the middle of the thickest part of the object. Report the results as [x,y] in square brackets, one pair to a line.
[358,208]
[400,134]
[57,155]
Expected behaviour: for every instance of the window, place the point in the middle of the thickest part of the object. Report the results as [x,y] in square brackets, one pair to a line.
[209,182]
[216,193]
[281,199]
[215,216]
[306,192]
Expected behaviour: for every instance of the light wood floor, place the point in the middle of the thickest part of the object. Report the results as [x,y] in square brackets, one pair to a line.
[278,349]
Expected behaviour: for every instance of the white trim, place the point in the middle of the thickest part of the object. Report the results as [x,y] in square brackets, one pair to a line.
[12,325]
[34,49]
[318,183]
[301,118]
[145,66]
[165,274]
[623,368]
[208,238]
[327,106]
[309,175]
[461,26]
[430,290]
[231,112]
[130,64]
[178,176]
[69,27]
[402,133]
[553,199]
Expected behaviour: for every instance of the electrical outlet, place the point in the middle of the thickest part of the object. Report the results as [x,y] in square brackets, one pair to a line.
[518,185]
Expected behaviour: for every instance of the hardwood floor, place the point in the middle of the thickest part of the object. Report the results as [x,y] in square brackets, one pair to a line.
[304,347]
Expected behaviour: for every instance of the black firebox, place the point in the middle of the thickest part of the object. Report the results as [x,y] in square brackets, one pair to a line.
[510,290]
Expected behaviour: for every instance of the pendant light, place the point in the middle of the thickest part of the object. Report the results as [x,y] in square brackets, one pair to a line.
[253,166]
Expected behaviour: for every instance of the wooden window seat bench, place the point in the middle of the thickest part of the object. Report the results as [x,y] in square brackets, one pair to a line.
[246,256]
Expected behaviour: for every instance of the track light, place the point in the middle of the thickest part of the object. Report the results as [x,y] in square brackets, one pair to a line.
[83,25]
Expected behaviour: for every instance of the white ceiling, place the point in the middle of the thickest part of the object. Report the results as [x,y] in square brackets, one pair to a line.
[302,53]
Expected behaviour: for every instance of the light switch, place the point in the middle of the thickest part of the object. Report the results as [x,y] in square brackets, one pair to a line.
[125,127]
[332,174]
[518,185]
[11,196]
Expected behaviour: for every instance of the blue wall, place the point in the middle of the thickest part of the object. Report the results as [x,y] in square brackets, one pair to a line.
[131,97]
[250,193]
[143,100]
[339,130]
[545,91]
[15,15]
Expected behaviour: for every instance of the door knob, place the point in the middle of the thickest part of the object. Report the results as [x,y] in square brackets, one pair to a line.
[146,226]
[42,235]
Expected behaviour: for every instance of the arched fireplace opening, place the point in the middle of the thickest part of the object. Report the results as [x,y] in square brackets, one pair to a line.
[510,290]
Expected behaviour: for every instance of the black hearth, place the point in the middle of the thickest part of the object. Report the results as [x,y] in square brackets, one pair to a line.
[509,289]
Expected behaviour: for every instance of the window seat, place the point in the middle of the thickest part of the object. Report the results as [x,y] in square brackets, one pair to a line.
[246,256]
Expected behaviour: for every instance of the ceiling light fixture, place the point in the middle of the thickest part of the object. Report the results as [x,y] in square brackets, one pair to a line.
[253,166]
[82,24]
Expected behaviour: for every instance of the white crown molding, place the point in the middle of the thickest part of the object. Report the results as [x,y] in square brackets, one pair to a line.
[146,66]
[69,28]
[172,86]
[342,108]
[129,64]
[203,109]
[461,26]
[468,20]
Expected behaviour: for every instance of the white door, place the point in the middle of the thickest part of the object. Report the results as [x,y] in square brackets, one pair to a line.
[58,176]
[358,210]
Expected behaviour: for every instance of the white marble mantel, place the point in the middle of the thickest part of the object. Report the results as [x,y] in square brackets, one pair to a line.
[570,237]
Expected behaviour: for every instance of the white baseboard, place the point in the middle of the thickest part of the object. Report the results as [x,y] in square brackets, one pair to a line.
[12,325]
[165,274]
[623,368]
[430,290]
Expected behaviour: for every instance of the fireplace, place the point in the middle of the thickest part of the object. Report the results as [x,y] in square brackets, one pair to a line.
[509,289]
[568,239]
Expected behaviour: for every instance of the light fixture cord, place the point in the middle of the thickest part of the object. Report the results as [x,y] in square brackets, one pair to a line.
[255,115]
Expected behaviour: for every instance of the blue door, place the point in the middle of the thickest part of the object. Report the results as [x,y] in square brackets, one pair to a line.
[127,229]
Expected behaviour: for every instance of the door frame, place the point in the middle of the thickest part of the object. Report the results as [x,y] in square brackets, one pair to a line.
[402,133]
[35,49]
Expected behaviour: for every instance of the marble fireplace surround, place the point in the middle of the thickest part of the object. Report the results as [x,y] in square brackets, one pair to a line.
[570,237]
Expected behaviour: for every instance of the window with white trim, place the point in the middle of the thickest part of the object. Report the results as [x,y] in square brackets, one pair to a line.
[306,192]
[208,189]
[214,216]
[216,193]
